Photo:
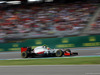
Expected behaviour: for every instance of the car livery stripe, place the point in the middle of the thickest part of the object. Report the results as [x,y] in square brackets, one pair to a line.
[41,52]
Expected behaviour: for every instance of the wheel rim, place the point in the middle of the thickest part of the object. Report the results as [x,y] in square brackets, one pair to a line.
[58,53]
[23,55]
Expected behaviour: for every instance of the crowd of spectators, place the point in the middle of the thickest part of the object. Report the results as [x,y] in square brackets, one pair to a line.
[49,19]
[95,26]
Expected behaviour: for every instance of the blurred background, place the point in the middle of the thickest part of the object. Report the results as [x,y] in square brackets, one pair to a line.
[38,22]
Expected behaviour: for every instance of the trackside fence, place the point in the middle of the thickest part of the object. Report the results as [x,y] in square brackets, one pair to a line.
[66,42]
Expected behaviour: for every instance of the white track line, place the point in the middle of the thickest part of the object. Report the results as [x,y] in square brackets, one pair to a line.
[52,65]
[50,57]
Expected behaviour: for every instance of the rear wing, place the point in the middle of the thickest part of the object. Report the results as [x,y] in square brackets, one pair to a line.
[23,49]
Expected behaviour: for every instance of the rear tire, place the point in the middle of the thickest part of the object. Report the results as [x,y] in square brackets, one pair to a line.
[24,55]
[59,53]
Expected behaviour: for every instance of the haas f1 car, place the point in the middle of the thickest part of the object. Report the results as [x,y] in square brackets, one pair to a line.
[45,51]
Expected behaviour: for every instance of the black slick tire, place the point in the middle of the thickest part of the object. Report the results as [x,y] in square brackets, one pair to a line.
[59,53]
[24,55]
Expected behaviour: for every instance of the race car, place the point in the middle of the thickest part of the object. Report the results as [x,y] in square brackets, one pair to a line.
[45,51]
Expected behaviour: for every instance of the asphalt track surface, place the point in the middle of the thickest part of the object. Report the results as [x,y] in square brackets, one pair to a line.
[86,51]
[51,70]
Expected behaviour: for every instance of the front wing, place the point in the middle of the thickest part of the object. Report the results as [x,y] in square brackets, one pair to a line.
[70,53]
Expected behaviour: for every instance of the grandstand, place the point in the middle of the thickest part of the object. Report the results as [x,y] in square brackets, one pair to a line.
[49,20]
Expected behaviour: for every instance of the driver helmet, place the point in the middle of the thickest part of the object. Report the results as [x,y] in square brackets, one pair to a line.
[48,48]
[44,46]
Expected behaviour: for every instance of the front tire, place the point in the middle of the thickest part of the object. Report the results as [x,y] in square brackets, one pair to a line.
[59,53]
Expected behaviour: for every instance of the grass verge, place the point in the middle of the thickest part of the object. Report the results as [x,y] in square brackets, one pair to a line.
[53,61]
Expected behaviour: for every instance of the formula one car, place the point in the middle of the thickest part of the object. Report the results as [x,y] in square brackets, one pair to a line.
[45,51]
